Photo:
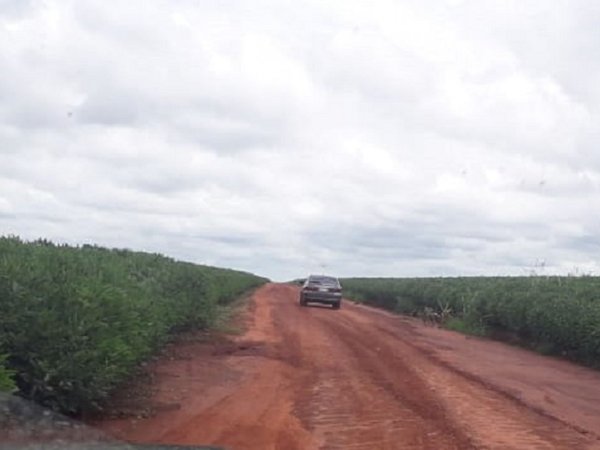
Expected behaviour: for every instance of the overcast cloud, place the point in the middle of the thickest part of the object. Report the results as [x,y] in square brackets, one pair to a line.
[392,138]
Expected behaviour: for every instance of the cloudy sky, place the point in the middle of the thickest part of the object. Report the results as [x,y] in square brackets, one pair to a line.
[393,138]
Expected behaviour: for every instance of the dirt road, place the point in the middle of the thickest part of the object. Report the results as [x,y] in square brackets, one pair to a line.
[358,378]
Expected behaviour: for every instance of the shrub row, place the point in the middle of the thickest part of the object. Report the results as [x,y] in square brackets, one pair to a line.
[559,314]
[75,321]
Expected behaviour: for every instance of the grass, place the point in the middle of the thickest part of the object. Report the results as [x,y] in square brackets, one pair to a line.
[228,318]
[466,327]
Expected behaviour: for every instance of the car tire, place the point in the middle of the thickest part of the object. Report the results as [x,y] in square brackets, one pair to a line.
[302,301]
[337,305]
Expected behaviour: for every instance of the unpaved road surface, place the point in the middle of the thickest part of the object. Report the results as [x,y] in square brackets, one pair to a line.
[358,378]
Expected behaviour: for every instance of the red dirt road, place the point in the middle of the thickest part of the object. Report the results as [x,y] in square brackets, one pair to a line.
[358,378]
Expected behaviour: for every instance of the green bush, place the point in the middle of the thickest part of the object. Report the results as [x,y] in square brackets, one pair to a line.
[558,313]
[77,320]
[466,326]
[6,377]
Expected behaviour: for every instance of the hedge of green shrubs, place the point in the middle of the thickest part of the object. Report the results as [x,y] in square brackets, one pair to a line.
[75,321]
[559,314]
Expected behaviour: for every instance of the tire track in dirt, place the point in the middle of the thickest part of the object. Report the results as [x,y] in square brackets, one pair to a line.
[446,399]
[339,402]
[353,379]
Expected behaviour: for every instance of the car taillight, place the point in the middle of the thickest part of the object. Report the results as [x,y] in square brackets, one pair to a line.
[310,288]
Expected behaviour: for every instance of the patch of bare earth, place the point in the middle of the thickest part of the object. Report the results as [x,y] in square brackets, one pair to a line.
[307,378]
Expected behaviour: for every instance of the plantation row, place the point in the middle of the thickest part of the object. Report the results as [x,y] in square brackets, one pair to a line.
[75,321]
[559,315]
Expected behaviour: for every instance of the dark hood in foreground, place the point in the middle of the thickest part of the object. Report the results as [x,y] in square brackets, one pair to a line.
[27,426]
[99,446]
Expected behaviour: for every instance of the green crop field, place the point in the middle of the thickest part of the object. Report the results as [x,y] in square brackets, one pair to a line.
[556,315]
[75,321]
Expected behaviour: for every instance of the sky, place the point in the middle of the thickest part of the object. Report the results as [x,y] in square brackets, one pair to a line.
[380,138]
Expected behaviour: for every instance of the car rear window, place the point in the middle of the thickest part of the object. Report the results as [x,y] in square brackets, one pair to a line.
[323,280]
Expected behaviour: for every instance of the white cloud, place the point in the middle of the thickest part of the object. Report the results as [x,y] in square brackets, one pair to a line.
[380,138]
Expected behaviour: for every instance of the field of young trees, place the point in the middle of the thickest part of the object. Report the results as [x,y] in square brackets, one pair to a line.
[555,315]
[76,321]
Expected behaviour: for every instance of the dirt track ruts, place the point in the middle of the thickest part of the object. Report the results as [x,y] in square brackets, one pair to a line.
[359,378]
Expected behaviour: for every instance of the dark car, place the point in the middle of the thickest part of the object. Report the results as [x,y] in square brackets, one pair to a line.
[321,289]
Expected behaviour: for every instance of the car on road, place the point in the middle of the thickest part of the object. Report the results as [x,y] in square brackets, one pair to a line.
[321,289]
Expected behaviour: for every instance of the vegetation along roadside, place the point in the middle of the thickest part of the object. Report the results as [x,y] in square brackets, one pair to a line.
[553,315]
[76,321]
